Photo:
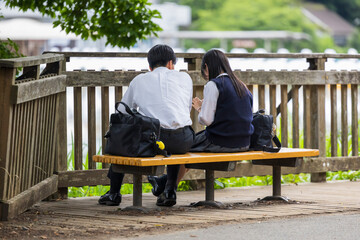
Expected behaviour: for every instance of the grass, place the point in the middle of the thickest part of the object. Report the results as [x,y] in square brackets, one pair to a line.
[260,180]
[343,175]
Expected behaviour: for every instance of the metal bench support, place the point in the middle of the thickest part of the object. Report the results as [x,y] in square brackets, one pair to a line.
[276,181]
[137,190]
[276,165]
[209,185]
[209,181]
[137,173]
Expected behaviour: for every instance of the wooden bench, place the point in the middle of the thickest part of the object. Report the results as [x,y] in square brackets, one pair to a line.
[289,157]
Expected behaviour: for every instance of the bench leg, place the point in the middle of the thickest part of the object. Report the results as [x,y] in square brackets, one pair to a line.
[137,190]
[276,181]
[209,186]
[209,192]
[276,186]
[137,194]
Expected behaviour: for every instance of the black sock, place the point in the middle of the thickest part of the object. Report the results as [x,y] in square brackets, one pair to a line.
[116,180]
[161,181]
[172,175]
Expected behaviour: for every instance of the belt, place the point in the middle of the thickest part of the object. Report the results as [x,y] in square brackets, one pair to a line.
[179,130]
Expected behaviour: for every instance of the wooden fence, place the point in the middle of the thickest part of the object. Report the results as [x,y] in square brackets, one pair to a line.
[23,142]
[31,108]
[311,83]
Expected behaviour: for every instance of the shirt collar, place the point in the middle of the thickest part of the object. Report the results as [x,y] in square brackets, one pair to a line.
[160,69]
[223,74]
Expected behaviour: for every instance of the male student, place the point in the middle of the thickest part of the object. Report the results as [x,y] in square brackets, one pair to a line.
[165,94]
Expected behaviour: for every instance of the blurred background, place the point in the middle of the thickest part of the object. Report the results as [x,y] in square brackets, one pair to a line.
[199,25]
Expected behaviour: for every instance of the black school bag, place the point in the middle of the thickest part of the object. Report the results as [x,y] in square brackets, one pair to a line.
[132,134]
[264,133]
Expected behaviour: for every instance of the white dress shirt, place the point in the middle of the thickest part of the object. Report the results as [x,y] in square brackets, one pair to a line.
[163,94]
[208,107]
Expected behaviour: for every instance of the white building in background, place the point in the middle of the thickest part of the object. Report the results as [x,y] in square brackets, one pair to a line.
[35,33]
[173,17]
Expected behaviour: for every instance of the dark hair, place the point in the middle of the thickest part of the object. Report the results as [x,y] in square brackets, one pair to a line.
[217,63]
[159,55]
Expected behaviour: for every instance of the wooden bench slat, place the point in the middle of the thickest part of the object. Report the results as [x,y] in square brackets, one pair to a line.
[205,157]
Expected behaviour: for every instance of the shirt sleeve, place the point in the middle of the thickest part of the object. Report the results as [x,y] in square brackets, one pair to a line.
[191,93]
[208,107]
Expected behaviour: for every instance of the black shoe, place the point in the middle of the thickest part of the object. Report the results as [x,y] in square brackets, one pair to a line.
[167,199]
[110,199]
[157,184]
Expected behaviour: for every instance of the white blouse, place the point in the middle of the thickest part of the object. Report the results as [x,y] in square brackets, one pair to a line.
[208,107]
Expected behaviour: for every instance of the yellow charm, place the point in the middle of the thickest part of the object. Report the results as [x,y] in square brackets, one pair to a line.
[160,144]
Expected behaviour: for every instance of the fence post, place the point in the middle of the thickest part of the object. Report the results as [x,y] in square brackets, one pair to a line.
[7,79]
[61,139]
[284,117]
[354,119]
[317,110]
[194,64]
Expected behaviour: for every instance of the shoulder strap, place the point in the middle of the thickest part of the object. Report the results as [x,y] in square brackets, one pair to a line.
[127,108]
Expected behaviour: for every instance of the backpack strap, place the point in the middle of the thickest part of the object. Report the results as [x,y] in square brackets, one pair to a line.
[270,149]
[163,152]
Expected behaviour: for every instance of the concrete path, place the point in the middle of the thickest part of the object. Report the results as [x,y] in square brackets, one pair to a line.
[337,226]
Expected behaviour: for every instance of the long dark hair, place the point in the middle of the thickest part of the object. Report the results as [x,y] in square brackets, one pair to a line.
[217,62]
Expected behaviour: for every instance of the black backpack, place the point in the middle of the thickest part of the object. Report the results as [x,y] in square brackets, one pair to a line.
[132,134]
[264,132]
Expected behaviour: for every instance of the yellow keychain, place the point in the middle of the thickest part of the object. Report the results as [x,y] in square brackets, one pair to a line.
[161,145]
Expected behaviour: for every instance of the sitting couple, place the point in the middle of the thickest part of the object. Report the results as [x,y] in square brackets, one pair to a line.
[166,94]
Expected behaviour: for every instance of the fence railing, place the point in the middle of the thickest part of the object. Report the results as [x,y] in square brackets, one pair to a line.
[34,121]
[30,117]
[276,91]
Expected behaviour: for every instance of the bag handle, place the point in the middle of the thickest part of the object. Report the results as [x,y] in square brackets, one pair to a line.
[127,108]
[273,150]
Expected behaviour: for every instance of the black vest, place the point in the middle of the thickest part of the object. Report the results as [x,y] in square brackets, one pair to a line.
[232,126]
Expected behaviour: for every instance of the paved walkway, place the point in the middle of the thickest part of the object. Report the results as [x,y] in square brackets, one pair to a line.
[84,218]
[330,226]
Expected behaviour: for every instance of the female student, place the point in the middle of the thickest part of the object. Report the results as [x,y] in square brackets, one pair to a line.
[226,109]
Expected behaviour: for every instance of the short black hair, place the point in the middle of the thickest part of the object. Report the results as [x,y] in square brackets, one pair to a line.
[159,55]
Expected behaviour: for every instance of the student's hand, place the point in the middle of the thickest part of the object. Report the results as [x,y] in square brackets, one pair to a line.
[196,103]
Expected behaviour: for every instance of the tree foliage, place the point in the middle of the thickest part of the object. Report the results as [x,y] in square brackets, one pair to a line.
[123,23]
[197,5]
[9,49]
[251,15]
[255,15]
[231,15]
